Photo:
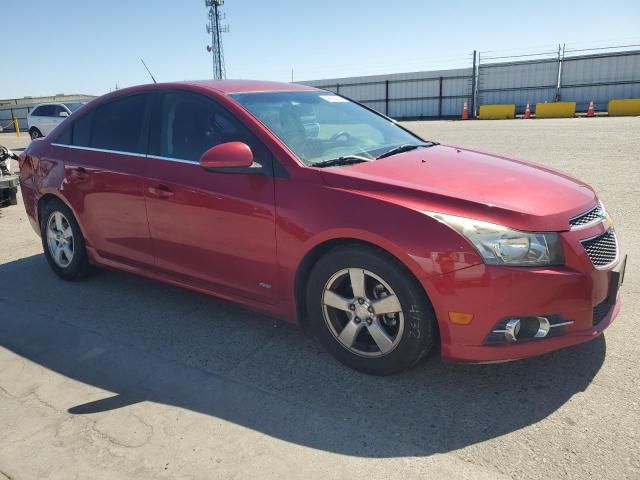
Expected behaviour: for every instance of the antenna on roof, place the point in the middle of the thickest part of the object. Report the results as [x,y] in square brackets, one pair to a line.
[150,74]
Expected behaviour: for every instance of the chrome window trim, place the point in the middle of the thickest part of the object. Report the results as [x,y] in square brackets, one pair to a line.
[120,152]
[169,159]
[103,150]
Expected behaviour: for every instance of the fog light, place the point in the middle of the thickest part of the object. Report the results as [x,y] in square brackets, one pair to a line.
[543,327]
[512,330]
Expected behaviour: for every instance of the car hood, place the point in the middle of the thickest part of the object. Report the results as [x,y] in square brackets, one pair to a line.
[469,183]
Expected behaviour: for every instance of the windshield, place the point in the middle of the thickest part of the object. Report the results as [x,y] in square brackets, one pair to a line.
[74,106]
[319,126]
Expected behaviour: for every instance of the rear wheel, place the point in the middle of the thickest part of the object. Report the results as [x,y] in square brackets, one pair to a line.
[62,241]
[35,133]
[369,311]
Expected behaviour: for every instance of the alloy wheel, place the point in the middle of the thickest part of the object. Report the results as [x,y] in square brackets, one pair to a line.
[362,312]
[60,239]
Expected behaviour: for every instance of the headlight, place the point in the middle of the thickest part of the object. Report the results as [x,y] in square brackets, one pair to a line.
[500,245]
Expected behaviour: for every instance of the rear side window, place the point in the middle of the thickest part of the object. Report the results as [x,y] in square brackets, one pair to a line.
[118,125]
[187,124]
[45,111]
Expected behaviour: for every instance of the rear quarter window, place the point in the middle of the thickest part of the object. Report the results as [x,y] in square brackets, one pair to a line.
[82,130]
[118,125]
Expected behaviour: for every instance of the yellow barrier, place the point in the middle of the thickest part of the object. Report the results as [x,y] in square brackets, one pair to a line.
[16,124]
[497,112]
[621,107]
[555,110]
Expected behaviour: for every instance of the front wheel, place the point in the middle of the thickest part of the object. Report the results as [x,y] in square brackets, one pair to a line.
[369,311]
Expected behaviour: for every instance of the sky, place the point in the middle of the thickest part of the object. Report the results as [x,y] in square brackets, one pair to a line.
[90,46]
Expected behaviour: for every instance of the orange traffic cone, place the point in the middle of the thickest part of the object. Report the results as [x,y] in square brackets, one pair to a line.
[527,111]
[591,111]
[465,112]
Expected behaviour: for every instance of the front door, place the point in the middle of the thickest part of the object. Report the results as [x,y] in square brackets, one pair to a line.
[213,229]
[58,116]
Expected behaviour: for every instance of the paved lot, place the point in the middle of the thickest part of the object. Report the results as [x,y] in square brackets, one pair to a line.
[120,377]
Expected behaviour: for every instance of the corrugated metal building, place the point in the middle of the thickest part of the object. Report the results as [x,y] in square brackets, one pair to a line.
[438,94]
[403,95]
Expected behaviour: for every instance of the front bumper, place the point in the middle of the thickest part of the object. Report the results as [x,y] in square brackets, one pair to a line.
[493,293]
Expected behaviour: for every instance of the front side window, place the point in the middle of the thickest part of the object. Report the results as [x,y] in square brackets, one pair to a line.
[318,126]
[189,124]
[118,125]
[58,109]
[73,106]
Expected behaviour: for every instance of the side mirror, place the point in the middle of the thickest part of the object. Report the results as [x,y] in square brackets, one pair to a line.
[63,114]
[227,155]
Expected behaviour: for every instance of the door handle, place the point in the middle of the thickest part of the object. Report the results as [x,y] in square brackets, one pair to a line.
[160,191]
[79,173]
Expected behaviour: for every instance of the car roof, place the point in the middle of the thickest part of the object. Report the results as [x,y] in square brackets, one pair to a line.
[221,86]
[243,86]
[224,87]
[59,103]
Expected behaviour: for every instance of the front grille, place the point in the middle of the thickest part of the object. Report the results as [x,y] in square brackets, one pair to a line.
[602,250]
[600,311]
[593,215]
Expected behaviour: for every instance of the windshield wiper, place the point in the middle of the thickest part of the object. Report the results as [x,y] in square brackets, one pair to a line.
[405,148]
[346,160]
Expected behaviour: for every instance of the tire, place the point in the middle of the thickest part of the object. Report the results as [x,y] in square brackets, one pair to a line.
[35,133]
[333,305]
[59,227]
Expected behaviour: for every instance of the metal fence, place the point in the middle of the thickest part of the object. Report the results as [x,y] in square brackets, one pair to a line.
[408,95]
[566,74]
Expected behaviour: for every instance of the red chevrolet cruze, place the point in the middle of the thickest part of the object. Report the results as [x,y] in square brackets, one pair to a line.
[306,205]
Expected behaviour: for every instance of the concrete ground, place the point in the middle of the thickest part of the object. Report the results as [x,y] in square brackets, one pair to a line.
[120,377]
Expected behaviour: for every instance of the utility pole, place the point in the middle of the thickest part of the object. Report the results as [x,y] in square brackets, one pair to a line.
[214,28]
[560,60]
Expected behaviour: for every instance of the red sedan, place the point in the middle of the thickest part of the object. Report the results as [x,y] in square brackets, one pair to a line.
[311,207]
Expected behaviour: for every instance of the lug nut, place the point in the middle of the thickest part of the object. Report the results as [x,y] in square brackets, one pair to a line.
[370,309]
[352,307]
[369,320]
[361,301]
[357,320]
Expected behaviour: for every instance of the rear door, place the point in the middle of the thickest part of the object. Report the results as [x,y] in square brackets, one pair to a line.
[45,118]
[104,161]
[216,229]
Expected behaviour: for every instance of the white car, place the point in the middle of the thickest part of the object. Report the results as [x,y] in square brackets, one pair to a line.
[47,116]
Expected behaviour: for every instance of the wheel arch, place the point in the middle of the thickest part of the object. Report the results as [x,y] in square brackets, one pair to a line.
[324,247]
[49,196]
